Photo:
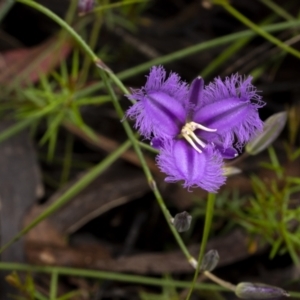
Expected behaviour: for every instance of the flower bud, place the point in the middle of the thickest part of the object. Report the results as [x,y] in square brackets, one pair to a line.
[182,221]
[85,6]
[210,261]
[272,128]
[249,290]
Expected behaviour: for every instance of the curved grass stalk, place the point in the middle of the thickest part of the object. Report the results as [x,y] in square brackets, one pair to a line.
[97,274]
[256,28]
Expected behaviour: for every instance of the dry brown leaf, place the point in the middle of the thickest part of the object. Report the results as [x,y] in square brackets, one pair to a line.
[26,65]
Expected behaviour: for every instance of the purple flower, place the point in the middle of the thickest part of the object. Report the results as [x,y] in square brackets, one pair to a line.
[196,127]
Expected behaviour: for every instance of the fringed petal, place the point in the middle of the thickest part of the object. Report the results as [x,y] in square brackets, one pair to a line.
[181,162]
[159,107]
[232,87]
[231,107]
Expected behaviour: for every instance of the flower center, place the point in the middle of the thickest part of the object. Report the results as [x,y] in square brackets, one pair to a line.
[187,132]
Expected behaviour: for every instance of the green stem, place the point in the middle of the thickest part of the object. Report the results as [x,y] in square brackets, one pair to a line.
[97,274]
[207,225]
[53,285]
[256,28]
[220,281]
[148,147]
[70,193]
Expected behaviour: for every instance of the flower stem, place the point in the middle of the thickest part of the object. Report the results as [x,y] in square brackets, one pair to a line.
[256,28]
[53,285]
[207,225]
[220,281]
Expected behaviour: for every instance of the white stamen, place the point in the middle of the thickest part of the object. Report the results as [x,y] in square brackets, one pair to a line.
[187,132]
[191,142]
[193,135]
[199,126]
